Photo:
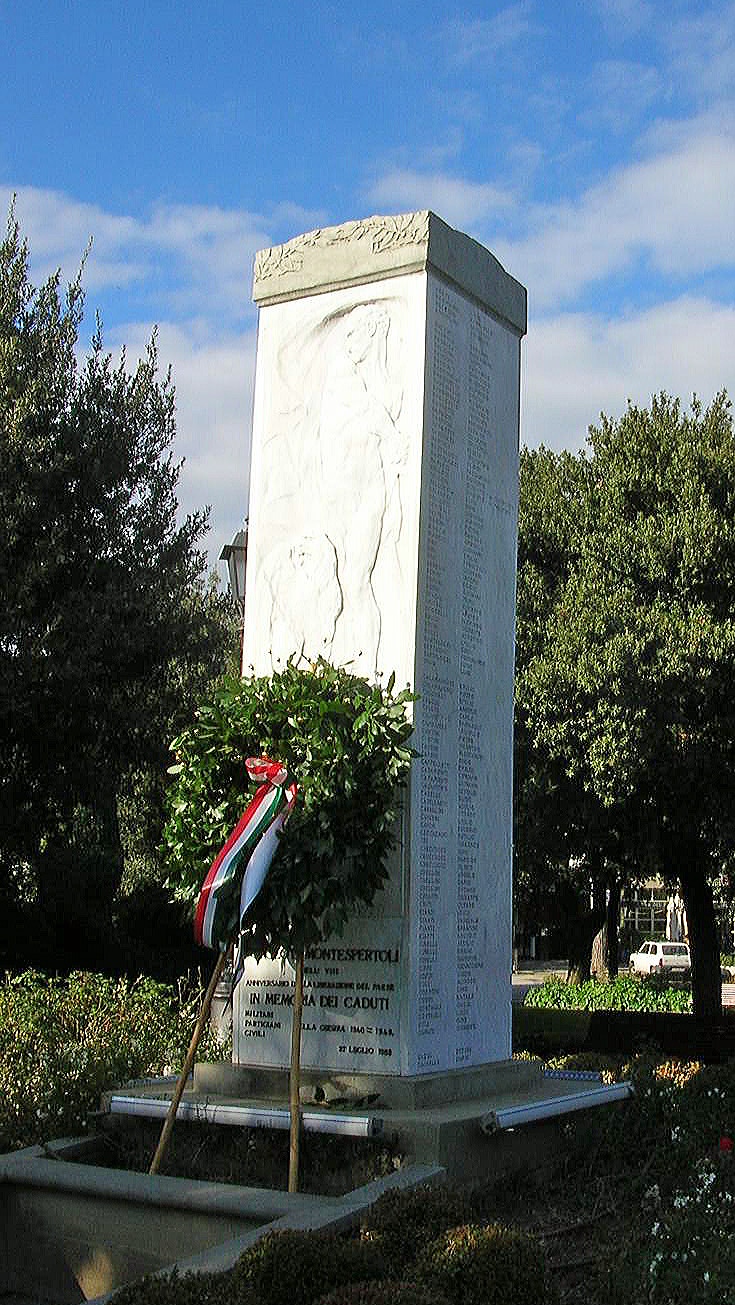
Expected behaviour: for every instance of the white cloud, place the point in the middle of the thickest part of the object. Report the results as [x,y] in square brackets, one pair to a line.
[193,253]
[440,151]
[193,265]
[578,365]
[701,49]
[619,91]
[214,386]
[59,229]
[214,249]
[624,18]
[461,203]
[675,209]
[472,39]
[296,219]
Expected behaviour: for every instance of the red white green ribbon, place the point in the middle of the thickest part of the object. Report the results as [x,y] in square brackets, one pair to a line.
[237,873]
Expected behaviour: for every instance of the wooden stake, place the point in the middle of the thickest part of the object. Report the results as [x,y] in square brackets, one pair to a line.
[186,1070]
[295,1077]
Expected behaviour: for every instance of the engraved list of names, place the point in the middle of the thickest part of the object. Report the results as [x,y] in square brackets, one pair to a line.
[453,902]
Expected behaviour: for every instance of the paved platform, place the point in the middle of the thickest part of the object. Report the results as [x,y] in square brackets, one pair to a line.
[512,1121]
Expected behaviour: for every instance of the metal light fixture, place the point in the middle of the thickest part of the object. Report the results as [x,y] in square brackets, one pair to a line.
[548,1107]
[322,1121]
[235,555]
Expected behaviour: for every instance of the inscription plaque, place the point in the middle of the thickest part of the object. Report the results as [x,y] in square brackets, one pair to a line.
[352,1005]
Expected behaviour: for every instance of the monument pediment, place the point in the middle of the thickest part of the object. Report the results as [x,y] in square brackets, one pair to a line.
[358,252]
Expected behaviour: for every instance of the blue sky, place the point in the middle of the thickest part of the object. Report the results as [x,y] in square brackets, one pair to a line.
[590,146]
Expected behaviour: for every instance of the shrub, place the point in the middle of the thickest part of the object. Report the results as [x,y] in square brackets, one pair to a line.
[678,1112]
[179,1289]
[65,1041]
[384,1293]
[473,1264]
[686,1250]
[299,1266]
[625,993]
[403,1222]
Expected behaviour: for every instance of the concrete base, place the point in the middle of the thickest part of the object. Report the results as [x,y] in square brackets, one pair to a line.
[393,1091]
[70,1232]
[93,1229]
[464,1134]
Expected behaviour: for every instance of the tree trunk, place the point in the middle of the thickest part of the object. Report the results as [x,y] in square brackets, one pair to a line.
[581,937]
[703,938]
[583,929]
[612,915]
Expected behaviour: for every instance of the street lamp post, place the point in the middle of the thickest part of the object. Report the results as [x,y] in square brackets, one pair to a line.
[235,555]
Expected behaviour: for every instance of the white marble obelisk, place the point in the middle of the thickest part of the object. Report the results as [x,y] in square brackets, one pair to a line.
[382,534]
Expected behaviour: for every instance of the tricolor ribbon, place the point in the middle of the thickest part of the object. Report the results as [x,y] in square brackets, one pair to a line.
[240,867]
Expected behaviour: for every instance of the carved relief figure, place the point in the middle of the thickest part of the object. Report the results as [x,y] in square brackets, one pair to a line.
[360,450]
[335,454]
[299,598]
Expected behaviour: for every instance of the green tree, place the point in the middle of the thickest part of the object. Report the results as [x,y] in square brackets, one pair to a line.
[563,839]
[629,686]
[107,627]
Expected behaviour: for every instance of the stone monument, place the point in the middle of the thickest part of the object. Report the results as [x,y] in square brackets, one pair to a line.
[382,535]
